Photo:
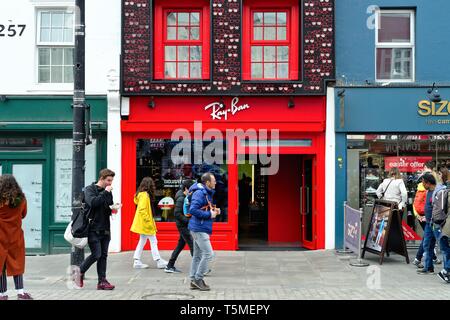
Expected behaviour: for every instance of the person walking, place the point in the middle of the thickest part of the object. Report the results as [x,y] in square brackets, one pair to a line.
[13,209]
[182,221]
[97,201]
[203,212]
[144,224]
[419,213]
[429,239]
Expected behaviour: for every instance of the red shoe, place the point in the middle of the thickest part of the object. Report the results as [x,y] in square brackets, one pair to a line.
[25,296]
[3,297]
[78,278]
[105,285]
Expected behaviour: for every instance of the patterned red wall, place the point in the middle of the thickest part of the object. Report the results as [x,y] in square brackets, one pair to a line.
[316,56]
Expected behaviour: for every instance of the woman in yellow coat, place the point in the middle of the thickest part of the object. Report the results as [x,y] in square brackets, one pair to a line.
[144,224]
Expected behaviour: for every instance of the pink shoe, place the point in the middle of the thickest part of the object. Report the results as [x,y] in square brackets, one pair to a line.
[25,296]
[105,285]
[3,297]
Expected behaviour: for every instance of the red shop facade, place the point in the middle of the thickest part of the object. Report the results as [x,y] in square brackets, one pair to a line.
[229,82]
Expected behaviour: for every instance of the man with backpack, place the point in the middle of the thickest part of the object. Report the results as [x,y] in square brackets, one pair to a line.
[439,217]
[182,220]
[97,201]
[203,212]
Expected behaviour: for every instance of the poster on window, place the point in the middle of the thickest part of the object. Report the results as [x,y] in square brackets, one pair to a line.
[378,226]
[29,177]
[406,164]
[63,176]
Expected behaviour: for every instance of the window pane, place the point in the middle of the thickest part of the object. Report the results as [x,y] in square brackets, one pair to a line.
[171,33]
[195,33]
[283,53]
[282,70]
[170,53]
[257,18]
[269,33]
[183,53]
[257,54]
[195,19]
[257,70]
[196,53]
[68,35]
[58,19]
[394,27]
[44,75]
[196,70]
[69,20]
[394,63]
[281,18]
[170,70]
[45,19]
[68,74]
[57,57]
[269,70]
[57,74]
[281,33]
[68,57]
[269,54]
[269,18]
[44,57]
[45,35]
[183,18]
[183,33]
[57,35]
[257,33]
[172,19]
[183,70]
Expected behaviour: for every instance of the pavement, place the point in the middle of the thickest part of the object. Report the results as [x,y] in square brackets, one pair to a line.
[241,275]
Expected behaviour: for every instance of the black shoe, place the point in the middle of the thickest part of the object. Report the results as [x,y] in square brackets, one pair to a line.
[444,276]
[425,271]
[193,286]
[201,285]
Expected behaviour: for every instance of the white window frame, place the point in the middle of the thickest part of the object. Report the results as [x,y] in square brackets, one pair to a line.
[397,45]
[39,45]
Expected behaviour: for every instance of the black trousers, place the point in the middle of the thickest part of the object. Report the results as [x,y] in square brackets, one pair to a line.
[185,238]
[18,281]
[98,243]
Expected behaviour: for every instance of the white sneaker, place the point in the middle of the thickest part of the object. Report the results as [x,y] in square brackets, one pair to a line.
[161,264]
[139,265]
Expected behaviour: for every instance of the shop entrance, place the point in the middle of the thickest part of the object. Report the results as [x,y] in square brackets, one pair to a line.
[276,211]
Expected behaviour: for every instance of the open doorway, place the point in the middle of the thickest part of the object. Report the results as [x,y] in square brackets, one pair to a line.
[276,212]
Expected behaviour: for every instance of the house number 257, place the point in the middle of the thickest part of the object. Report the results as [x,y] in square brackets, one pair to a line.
[12,30]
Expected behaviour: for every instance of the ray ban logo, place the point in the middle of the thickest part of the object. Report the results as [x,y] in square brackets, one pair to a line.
[218,110]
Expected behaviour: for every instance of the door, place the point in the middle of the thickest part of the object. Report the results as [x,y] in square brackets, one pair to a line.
[29,175]
[307,203]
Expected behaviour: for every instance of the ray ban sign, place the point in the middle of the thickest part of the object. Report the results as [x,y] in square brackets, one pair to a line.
[218,110]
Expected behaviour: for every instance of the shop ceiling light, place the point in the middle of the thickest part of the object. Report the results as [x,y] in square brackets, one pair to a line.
[433,94]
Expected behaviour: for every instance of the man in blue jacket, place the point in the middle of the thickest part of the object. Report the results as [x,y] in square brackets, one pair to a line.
[203,212]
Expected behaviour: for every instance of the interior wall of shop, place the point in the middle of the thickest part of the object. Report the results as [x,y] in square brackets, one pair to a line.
[356,42]
[284,201]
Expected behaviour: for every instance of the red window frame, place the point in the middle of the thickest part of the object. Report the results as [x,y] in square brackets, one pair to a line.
[162,7]
[291,7]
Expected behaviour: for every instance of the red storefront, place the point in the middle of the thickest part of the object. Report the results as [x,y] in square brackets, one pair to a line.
[268,63]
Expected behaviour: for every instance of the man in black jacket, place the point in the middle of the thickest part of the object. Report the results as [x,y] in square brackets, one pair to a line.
[97,201]
[182,225]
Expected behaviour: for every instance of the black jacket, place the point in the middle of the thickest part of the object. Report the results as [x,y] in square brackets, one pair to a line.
[98,201]
[179,215]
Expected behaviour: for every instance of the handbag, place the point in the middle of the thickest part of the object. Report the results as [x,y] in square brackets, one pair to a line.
[77,242]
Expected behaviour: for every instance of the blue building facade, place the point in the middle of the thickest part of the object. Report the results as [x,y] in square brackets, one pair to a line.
[388,55]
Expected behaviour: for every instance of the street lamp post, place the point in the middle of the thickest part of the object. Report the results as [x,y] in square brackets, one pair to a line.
[79,128]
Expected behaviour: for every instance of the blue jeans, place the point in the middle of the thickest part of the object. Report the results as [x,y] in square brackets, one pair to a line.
[203,254]
[429,242]
[444,245]
[421,250]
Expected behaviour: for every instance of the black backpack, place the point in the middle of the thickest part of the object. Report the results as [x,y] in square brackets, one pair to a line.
[82,221]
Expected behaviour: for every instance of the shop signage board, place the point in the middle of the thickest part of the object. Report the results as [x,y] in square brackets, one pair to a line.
[385,232]
[352,229]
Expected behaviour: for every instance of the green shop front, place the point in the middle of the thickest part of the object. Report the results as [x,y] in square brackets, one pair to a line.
[36,147]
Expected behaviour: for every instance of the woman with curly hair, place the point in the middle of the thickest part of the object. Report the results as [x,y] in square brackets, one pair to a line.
[13,208]
[144,224]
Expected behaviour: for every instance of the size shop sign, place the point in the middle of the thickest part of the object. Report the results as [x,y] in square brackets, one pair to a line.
[219,111]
